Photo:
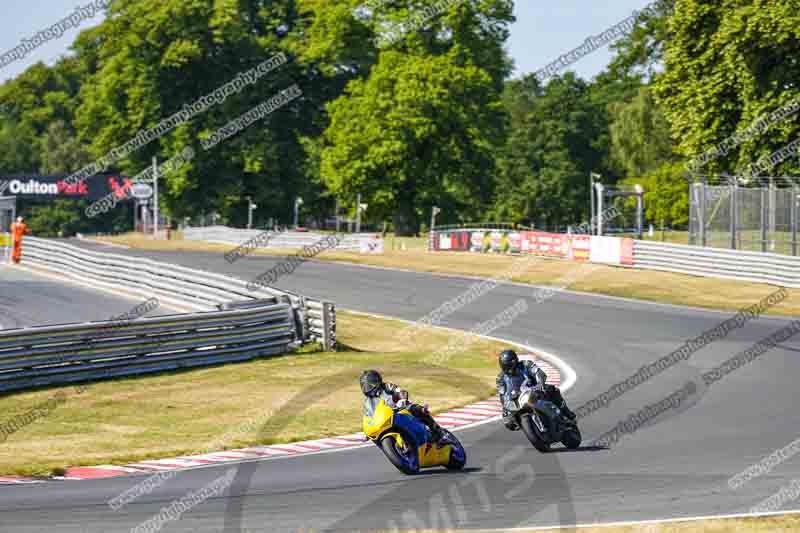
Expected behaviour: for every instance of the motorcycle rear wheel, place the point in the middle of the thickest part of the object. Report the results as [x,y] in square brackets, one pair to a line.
[526,424]
[456,463]
[405,460]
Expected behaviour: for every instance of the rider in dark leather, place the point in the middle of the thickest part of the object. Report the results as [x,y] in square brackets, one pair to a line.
[513,373]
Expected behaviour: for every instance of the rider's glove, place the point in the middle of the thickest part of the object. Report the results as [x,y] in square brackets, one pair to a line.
[403,403]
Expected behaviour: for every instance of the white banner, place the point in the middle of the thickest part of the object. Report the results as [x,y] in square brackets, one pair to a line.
[606,250]
[372,245]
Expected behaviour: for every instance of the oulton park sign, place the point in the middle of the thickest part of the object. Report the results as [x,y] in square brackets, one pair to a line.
[56,186]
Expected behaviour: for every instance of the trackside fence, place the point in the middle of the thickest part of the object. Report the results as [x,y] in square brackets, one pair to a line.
[68,353]
[290,240]
[718,263]
[741,265]
[229,322]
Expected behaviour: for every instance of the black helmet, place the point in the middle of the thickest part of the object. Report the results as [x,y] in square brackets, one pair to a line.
[371,382]
[508,360]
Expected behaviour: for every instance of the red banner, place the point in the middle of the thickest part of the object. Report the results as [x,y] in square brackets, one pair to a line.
[549,244]
[626,255]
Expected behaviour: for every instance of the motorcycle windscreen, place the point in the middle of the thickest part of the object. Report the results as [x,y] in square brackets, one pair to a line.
[377,419]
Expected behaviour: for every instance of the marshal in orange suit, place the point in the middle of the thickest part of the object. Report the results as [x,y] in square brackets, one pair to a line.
[18,229]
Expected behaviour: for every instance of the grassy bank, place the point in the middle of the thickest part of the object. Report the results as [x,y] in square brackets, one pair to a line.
[412,254]
[280,399]
[745,525]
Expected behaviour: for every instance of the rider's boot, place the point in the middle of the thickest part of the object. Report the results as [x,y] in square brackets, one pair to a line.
[437,433]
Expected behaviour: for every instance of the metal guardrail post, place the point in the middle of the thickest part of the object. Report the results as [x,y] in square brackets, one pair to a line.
[702,212]
[764,218]
[795,217]
[329,326]
[734,214]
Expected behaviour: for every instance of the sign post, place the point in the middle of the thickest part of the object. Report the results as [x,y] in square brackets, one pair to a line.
[155,197]
[8,213]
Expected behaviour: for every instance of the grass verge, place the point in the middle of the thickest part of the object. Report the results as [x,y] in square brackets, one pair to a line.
[729,525]
[681,289]
[300,396]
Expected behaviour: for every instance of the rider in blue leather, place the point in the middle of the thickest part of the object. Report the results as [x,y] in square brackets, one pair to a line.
[513,373]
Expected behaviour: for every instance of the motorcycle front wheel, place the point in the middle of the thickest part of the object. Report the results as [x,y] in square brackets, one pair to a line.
[526,423]
[405,458]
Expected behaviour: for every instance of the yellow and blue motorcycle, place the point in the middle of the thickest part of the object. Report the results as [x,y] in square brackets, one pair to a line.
[408,443]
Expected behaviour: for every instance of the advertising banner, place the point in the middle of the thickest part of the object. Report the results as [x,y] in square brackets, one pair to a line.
[496,240]
[580,247]
[548,244]
[55,187]
[372,245]
[627,251]
[606,250]
[460,241]
[445,242]
[476,241]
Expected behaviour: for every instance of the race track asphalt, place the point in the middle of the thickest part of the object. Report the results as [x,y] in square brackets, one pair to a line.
[677,466]
[28,299]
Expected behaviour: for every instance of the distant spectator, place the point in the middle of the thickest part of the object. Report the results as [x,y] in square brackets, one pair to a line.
[18,229]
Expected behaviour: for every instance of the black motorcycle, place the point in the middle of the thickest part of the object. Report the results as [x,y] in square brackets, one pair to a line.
[541,421]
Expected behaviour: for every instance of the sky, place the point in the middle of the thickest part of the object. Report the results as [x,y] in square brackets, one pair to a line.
[543,31]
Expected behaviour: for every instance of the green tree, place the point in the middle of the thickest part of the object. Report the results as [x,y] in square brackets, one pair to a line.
[728,63]
[418,132]
[641,52]
[420,124]
[640,135]
[558,134]
[666,195]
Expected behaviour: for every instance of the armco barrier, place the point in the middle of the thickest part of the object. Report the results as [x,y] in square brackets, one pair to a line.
[69,353]
[718,263]
[756,267]
[176,284]
[277,240]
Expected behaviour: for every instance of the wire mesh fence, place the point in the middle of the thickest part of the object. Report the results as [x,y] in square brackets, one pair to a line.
[759,215]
